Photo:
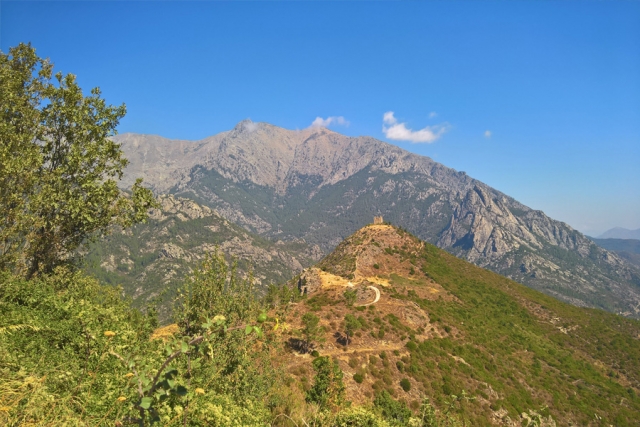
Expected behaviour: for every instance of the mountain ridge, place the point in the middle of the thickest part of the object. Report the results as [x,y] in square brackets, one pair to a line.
[321,186]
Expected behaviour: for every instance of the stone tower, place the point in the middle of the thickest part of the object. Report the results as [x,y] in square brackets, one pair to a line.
[378,220]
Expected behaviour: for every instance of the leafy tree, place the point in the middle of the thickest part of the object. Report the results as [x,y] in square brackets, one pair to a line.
[58,166]
[351,324]
[349,297]
[214,289]
[311,329]
[328,390]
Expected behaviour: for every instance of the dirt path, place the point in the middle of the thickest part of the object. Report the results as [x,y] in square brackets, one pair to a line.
[344,354]
[376,299]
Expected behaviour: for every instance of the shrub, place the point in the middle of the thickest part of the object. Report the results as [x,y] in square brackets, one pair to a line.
[358,378]
[386,378]
[328,388]
[391,409]
[405,384]
[358,416]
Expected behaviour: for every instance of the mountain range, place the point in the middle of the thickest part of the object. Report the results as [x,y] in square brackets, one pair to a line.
[314,187]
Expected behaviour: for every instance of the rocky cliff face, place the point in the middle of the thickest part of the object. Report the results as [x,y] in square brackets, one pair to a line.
[151,260]
[534,249]
[320,186]
[272,157]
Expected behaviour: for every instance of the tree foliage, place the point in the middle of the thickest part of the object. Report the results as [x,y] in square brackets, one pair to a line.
[328,390]
[310,329]
[350,297]
[58,166]
[351,324]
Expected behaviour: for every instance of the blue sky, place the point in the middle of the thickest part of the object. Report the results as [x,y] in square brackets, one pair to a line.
[540,100]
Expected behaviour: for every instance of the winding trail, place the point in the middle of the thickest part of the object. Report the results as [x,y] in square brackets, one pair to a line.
[376,299]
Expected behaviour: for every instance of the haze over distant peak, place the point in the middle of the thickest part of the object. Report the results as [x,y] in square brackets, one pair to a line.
[620,233]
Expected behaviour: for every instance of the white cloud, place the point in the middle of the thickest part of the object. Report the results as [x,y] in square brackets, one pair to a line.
[433,114]
[251,126]
[388,118]
[400,132]
[319,122]
[487,134]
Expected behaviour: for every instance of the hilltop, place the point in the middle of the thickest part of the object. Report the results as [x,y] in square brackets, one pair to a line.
[318,186]
[444,325]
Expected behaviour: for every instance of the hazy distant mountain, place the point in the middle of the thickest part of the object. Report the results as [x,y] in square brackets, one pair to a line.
[620,233]
[320,186]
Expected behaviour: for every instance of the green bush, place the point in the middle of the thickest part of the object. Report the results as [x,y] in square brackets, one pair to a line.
[328,389]
[358,378]
[391,409]
[405,384]
[350,417]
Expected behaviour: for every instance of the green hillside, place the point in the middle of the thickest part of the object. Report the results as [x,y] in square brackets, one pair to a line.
[446,344]
[513,349]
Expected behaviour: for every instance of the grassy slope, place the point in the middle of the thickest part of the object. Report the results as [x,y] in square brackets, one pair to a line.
[513,348]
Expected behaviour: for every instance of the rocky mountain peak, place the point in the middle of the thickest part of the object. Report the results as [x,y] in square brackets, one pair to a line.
[320,186]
